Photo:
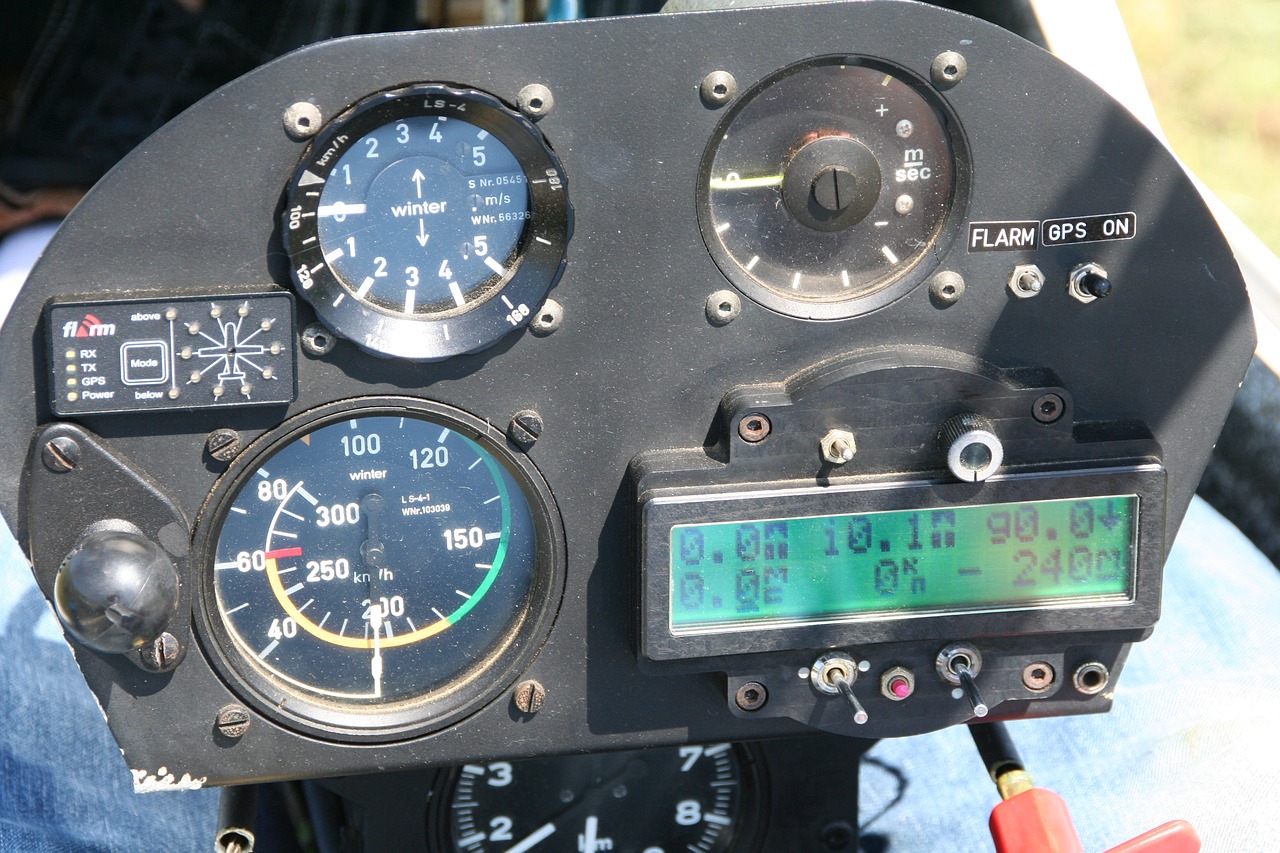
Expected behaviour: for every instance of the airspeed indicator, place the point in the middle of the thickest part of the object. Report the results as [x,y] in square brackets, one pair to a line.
[376,561]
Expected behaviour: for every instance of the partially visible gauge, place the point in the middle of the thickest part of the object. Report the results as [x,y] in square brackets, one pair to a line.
[704,799]
[379,568]
[825,188]
[427,222]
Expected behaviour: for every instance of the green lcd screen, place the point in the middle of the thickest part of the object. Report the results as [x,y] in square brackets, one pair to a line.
[797,571]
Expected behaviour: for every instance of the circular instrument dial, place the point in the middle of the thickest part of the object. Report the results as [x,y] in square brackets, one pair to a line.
[699,798]
[825,188]
[373,569]
[427,222]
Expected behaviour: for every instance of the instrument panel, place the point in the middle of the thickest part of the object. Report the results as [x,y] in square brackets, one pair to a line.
[674,382]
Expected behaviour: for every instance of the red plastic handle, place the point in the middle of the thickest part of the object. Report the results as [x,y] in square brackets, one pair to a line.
[1038,821]
[1176,836]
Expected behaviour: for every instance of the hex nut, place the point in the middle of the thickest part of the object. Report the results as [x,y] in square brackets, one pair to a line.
[718,88]
[535,100]
[1075,282]
[948,69]
[838,446]
[1091,678]
[1026,281]
[302,120]
[723,307]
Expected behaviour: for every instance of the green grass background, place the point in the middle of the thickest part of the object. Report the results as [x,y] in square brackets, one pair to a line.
[1213,70]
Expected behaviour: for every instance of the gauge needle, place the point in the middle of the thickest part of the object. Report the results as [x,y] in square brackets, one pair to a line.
[589,834]
[733,182]
[375,665]
[537,836]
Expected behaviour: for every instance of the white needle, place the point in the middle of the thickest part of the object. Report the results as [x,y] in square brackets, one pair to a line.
[541,833]
[589,835]
[375,666]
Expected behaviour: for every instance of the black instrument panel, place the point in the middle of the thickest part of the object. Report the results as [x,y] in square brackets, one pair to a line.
[676,356]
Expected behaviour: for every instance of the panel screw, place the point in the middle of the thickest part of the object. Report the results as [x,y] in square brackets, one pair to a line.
[1048,408]
[723,307]
[838,446]
[232,721]
[751,696]
[837,836]
[302,120]
[161,655]
[754,428]
[1026,281]
[946,288]
[317,340]
[525,428]
[61,454]
[1037,676]
[548,318]
[948,69]
[529,696]
[223,444]
[718,89]
[535,100]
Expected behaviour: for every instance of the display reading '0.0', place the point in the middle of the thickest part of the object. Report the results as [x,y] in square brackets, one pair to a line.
[796,571]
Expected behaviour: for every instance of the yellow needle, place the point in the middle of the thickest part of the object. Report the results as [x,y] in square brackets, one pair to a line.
[735,183]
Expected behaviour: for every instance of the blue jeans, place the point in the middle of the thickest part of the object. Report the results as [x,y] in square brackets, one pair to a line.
[1193,734]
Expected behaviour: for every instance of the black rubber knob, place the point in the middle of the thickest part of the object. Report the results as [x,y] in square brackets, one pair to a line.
[1096,285]
[116,591]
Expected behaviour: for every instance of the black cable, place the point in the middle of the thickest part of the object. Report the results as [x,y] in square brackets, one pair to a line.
[996,748]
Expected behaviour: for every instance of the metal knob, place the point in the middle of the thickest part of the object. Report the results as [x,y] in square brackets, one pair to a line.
[974,451]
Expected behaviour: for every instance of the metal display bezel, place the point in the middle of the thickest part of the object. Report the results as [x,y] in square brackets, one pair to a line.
[433,710]
[532,270]
[662,512]
[892,288]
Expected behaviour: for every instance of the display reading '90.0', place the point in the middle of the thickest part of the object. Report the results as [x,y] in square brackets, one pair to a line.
[795,571]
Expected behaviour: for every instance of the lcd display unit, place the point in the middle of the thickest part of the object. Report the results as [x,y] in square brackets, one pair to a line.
[816,569]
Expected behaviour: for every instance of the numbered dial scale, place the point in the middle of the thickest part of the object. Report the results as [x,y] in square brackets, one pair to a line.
[427,222]
[824,189]
[704,799]
[379,567]
[842,564]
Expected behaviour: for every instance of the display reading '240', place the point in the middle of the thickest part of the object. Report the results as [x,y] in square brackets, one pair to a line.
[374,559]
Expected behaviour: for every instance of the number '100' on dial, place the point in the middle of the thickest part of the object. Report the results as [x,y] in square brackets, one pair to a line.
[811,570]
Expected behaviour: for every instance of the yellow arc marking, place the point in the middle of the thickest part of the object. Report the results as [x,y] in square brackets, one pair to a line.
[273,576]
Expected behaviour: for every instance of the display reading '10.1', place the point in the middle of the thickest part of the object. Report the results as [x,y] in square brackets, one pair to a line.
[958,559]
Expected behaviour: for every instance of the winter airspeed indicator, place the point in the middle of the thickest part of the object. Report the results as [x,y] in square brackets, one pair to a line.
[427,222]
[377,567]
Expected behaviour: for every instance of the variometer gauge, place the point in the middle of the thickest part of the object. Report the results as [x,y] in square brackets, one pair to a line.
[378,568]
[828,186]
[427,222]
